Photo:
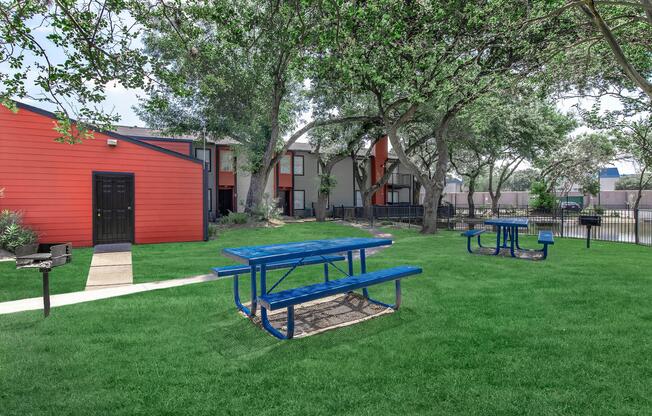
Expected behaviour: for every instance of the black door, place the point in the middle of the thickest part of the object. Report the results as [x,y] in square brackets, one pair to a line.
[113,202]
[284,201]
[225,201]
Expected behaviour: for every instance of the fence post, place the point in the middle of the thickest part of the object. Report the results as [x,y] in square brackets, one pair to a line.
[636,226]
[562,222]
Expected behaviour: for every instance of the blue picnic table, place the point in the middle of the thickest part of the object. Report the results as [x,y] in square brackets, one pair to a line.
[508,229]
[507,233]
[259,259]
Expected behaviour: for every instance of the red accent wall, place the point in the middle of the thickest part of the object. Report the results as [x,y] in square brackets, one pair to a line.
[378,169]
[51,183]
[225,179]
[285,179]
[179,147]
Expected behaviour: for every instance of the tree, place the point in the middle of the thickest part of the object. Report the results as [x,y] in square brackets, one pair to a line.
[86,45]
[520,130]
[577,162]
[634,140]
[509,131]
[235,69]
[612,39]
[522,180]
[469,158]
[634,182]
[407,56]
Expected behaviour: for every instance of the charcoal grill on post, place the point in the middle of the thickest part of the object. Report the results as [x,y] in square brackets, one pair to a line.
[29,257]
[590,221]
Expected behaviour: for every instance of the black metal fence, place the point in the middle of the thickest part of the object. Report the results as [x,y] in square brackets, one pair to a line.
[618,224]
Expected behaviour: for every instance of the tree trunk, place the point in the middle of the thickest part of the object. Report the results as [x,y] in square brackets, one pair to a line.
[435,188]
[256,190]
[495,198]
[416,194]
[429,225]
[469,197]
[367,206]
[320,208]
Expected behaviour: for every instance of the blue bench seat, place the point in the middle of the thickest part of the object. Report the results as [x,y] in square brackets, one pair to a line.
[472,233]
[469,234]
[304,294]
[285,264]
[545,237]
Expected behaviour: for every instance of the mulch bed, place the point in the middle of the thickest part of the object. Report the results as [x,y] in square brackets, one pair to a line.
[312,318]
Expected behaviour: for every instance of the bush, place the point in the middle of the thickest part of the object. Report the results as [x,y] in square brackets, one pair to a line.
[213,230]
[234,218]
[12,233]
[267,210]
[542,199]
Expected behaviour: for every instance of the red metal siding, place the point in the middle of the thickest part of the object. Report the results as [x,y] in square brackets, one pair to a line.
[51,183]
[285,179]
[226,179]
[378,169]
[179,147]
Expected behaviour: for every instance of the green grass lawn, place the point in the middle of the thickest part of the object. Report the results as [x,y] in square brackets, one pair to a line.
[27,283]
[172,260]
[475,336]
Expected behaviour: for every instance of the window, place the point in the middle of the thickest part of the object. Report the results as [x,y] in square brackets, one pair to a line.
[299,200]
[210,200]
[204,155]
[285,165]
[226,161]
[298,165]
[358,199]
[392,197]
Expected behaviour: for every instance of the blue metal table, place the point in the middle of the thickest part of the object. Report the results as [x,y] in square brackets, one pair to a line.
[258,257]
[507,228]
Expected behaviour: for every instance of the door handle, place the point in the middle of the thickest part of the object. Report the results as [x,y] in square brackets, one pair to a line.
[129,208]
[99,213]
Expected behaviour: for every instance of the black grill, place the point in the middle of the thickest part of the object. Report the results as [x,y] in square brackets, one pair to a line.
[592,220]
[30,257]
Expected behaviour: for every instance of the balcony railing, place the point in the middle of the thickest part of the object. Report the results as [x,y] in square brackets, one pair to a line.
[400,180]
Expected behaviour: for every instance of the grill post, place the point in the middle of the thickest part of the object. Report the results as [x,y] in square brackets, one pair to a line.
[46,292]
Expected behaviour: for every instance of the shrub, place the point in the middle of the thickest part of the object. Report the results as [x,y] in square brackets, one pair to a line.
[213,230]
[12,233]
[234,218]
[267,210]
[543,200]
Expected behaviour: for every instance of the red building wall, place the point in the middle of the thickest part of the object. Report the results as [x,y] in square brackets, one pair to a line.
[51,183]
[378,169]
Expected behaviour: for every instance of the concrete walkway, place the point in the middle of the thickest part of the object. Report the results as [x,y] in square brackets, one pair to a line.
[98,294]
[110,267]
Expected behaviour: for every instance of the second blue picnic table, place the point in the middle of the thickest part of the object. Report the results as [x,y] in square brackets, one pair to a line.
[507,230]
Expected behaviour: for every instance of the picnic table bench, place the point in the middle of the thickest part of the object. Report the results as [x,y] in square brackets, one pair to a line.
[507,236]
[260,259]
[238,269]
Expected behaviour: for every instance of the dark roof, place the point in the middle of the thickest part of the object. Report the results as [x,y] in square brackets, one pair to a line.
[112,134]
[609,173]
